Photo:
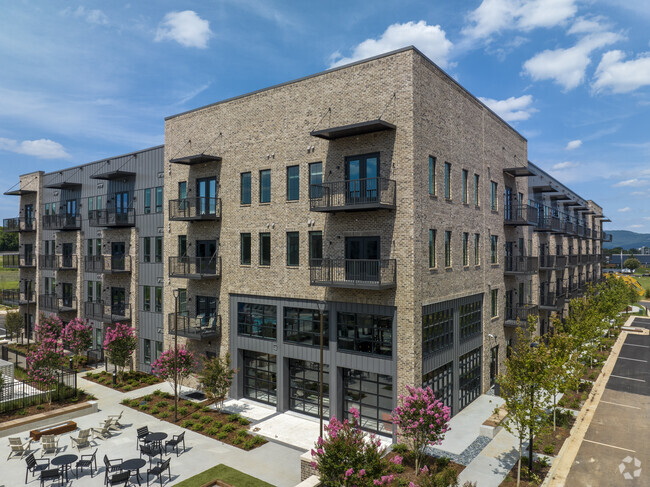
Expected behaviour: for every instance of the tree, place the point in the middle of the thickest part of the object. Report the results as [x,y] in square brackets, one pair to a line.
[48,327]
[77,337]
[119,344]
[43,365]
[632,264]
[8,241]
[14,323]
[216,378]
[169,363]
[423,420]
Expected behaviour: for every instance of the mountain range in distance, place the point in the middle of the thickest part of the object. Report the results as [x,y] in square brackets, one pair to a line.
[627,240]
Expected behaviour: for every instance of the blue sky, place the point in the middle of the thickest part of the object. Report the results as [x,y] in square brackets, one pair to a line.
[80,81]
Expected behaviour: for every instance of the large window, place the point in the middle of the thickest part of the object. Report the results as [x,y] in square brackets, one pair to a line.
[469,377]
[265,186]
[465,248]
[147,200]
[372,395]
[441,381]
[365,333]
[432,175]
[476,189]
[304,387]
[465,176]
[146,292]
[245,188]
[315,179]
[494,303]
[257,320]
[447,181]
[260,377]
[147,351]
[432,248]
[265,248]
[293,183]
[470,319]
[245,249]
[293,249]
[494,200]
[437,331]
[494,249]
[315,247]
[158,300]
[448,248]
[303,326]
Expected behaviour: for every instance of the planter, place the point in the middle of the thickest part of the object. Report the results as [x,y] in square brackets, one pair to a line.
[494,424]
[41,420]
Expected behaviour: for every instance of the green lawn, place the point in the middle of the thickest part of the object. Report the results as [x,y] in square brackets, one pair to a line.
[225,473]
[8,277]
[644,281]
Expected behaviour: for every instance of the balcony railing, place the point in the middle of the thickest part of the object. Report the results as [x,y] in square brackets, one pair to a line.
[11,261]
[552,262]
[580,229]
[116,264]
[195,209]
[14,297]
[520,214]
[61,222]
[354,273]
[353,195]
[573,260]
[109,313]
[94,263]
[67,262]
[19,224]
[48,261]
[549,224]
[195,267]
[584,258]
[518,314]
[550,300]
[521,264]
[606,237]
[195,327]
[51,302]
[112,218]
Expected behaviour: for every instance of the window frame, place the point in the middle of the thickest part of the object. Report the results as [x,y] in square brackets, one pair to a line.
[465,176]
[448,181]
[242,247]
[494,303]
[159,199]
[293,183]
[291,262]
[465,249]
[494,249]
[477,249]
[158,243]
[265,174]
[146,298]
[494,196]
[312,174]
[146,249]
[147,201]
[432,249]
[477,193]
[448,256]
[432,176]
[245,188]
[312,246]
[262,237]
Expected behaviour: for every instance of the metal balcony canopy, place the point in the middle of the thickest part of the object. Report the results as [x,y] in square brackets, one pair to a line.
[572,203]
[63,185]
[520,171]
[588,211]
[20,192]
[606,220]
[113,175]
[360,128]
[559,197]
[546,188]
[195,159]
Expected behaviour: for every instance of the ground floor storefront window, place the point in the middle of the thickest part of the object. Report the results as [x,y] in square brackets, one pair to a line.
[441,381]
[469,377]
[304,387]
[372,395]
[260,377]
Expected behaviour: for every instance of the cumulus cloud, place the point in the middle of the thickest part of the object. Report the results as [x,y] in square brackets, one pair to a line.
[584,25]
[573,144]
[430,39]
[624,210]
[631,183]
[92,16]
[618,76]
[41,148]
[565,165]
[512,109]
[567,67]
[186,28]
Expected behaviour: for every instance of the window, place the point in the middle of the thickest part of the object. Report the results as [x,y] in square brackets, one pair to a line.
[303,326]
[477,249]
[447,181]
[432,175]
[372,395]
[146,305]
[447,248]
[159,350]
[494,249]
[158,301]
[315,179]
[147,351]
[437,331]
[265,186]
[159,249]
[465,176]
[432,248]
[90,207]
[465,248]
[260,377]
[365,333]
[98,246]
[265,248]
[470,319]
[494,201]
[469,377]
[293,249]
[245,249]
[147,200]
[303,391]
[182,245]
[441,382]
[245,188]
[90,287]
[159,199]
[315,248]
[494,303]
[257,320]
[476,191]
[293,183]
[146,251]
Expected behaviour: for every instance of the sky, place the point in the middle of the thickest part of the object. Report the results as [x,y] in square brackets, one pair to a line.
[81,81]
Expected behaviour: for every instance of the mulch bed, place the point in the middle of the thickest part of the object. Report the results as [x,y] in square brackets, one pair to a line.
[130,382]
[538,469]
[575,399]
[409,475]
[556,438]
[197,416]
[44,408]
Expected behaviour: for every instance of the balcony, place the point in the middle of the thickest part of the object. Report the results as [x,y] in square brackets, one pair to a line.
[606,237]
[567,227]
[11,261]
[518,215]
[354,273]
[66,262]
[112,218]
[51,302]
[107,313]
[549,224]
[521,265]
[550,301]
[552,262]
[586,232]
[517,315]
[11,297]
[48,261]
[19,225]
[195,267]
[580,229]
[353,195]
[595,234]
[584,259]
[116,264]
[573,260]
[61,222]
[200,327]
[195,209]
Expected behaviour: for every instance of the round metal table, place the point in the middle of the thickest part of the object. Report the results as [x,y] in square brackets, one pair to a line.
[64,462]
[133,466]
[156,439]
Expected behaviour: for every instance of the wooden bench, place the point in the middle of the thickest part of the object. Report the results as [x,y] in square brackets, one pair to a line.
[56,429]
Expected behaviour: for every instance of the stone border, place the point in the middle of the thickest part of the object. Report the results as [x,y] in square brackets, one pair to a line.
[40,420]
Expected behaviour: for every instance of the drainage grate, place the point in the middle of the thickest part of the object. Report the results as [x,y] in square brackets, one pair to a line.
[196,395]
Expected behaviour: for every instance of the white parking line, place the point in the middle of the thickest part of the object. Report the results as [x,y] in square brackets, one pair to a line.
[635,345]
[635,359]
[628,378]
[611,446]
[617,404]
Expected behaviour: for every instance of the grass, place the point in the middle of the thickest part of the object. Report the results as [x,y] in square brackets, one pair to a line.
[644,281]
[227,474]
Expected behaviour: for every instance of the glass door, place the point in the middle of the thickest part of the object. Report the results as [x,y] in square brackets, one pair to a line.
[362,258]
[508,204]
[206,191]
[206,251]
[494,364]
[29,216]
[361,173]
[118,301]
[118,256]
[67,294]
[122,207]
[67,255]
[70,212]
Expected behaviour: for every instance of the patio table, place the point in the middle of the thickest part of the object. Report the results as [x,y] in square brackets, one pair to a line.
[64,462]
[134,465]
[156,439]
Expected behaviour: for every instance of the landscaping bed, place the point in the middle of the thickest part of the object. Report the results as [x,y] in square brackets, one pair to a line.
[43,408]
[573,399]
[550,442]
[199,417]
[540,469]
[129,382]
[405,473]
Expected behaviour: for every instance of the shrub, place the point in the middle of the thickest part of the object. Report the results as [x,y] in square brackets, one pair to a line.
[218,424]
[188,423]
[182,411]
[400,448]
[205,409]
[259,440]
[236,440]
[162,404]
[242,433]
[144,407]
[206,419]
[243,421]
[188,404]
[164,415]
[212,431]
[126,402]
[233,417]
[196,415]
[146,398]
[222,435]
[157,392]
[155,411]
[549,449]
[228,428]
[127,388]
[248,444]
[198,427]
[40,407]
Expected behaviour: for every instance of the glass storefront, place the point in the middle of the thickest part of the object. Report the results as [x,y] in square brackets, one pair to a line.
[372,395]
[304,387]
[260,377]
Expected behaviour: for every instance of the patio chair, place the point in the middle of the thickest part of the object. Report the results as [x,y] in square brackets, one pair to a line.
[121,478]
[104,431]
[50,474]
[142,433]
[114,465]
[34,466]
[18,447]
[175,441]
[158,470]
[116,419]
[87,461]
[112,424]
[81,441]
[49,444]
[151,452]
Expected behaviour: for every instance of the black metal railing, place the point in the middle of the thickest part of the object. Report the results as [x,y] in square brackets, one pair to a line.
[61,222]
[195,267]
[94,263]
[192,209]
[11,297]
[353,194]
[354,273]
[521,264]
[568,227]
[47,261]
[195,327]
[606,237]
[19,224]
[100,311]
[56,304]
[112,217]
[67,262]
[520,214]
[552,261]
[549,224]
[519,313]
[115,264]
[11,261]
[573,260]
[27,260]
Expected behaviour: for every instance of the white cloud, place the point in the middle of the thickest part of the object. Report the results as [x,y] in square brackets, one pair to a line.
[583,25]
[573,144]
[618,76]
[624,210]
[430,39]
[567,66]
[41,148]
[94,16]
[565,165]
[186,28]
[631,183]
[512,109]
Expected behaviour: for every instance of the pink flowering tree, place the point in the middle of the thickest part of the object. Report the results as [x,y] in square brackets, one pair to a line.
[422,420]
[43,365]
[48,327]
[169,362]
[77,338]
[345,457]
[119,345]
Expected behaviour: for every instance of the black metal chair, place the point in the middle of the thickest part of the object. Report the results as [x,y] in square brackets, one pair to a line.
[151,452]
[34,466]
[175,441]
[87,461]
[121,478]
[158,470]
[142,433]
[114,465]
[50,474]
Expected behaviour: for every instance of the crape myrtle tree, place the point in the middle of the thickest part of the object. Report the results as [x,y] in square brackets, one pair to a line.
[49,327]
[119,344]
[43,365]
[171,365]
[77,338]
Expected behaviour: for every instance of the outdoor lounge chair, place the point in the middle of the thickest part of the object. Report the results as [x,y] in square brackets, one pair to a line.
[114,465]
[49,444]
[87,461]
[116,419]
[34,465]
[18,447]
[175,441]
[104,431]
[158,471]
[81,441]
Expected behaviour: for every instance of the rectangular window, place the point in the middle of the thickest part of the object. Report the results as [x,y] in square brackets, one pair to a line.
[147,352]
[441,382]
[245,249]
[437,331]
[98,246]
[90,207]
[465,249]
[470,319]
[159,350]
[315,179]
[293,249]
[146,292]
[159,199]
[303,326]
[432,175]
[98,291]
[465,175]
[494,200]
[477,249]
[494,249]
[293,183]
[469,377]
[315,248]
[182,245]
[257,320]
[447,248]
[90,287]
[494,303]
[447,181]
[476,190]
[158,300]
[146,251]
[372,395]
[147,200]
[303,390]
[159,249]
[245,188]
[265,248]
[365,333]
[260,377]
[265,186]
[432,248]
